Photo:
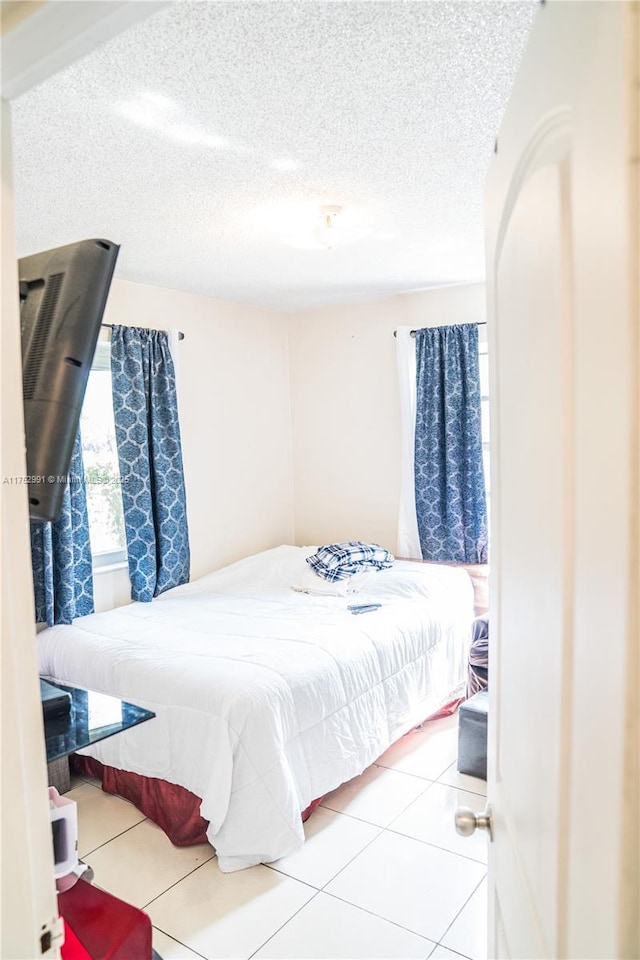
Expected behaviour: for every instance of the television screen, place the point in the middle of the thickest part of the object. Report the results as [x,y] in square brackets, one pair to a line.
[63,293]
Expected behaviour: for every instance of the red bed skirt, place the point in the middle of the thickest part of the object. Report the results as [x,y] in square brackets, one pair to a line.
[175,809]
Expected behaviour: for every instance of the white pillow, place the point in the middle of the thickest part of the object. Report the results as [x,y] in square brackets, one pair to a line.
[310,582]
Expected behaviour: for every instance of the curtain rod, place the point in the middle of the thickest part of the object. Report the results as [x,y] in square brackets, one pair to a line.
[180,333]
[412,333]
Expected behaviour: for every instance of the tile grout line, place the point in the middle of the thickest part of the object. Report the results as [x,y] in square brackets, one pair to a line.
[111,839]
[330,894]
[473,892]
[185,945]
[175,884]
[386,826]
[128,830]
[429,843]
[437,779]
[404,809]
[394,923]
[331,879]
[440,944]
[89,783]
[410,837]
[288,920]
[316,890]
[373,839]
[354,906]
[351,816]
[455,786]
[403,773]
[412,774]
[397,833]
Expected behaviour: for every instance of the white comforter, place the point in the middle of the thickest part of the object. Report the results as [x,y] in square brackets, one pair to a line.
[267,698]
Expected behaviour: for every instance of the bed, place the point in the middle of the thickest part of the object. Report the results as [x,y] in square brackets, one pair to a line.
[267,698]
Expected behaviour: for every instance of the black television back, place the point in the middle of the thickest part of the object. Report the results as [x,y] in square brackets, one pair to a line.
[63,293]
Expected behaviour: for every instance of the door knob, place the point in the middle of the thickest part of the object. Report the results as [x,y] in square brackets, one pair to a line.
[467,822]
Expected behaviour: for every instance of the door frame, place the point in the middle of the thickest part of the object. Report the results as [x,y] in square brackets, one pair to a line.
[38,39]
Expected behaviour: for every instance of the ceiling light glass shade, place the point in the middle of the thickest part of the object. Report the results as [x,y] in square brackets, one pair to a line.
[327,232]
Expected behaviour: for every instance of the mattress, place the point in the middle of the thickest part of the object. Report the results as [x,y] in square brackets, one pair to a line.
[265,697]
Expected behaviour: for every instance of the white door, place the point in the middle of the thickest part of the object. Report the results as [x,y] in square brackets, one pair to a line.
[562,228]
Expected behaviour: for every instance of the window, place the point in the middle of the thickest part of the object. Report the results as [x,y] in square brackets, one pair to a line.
[102,473]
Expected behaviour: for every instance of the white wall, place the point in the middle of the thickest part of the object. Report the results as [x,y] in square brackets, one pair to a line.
[345,410]
[235,420]
[290,424]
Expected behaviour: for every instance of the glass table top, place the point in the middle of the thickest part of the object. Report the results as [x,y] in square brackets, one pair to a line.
[93,716]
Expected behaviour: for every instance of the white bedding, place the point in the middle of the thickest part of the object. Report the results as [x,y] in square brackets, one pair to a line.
[267,698]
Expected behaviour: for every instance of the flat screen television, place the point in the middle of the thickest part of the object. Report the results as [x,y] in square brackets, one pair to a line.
[63,293]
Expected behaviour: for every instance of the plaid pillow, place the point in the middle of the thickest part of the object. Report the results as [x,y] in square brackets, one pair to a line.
[337,561]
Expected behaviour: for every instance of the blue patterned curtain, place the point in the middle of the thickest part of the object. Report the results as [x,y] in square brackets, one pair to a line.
[61,554]
[451,503]
[150,454]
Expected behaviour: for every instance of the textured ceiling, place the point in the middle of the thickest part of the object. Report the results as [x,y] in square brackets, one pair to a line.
[203,136]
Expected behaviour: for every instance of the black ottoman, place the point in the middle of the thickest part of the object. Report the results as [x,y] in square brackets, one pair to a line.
[472,736]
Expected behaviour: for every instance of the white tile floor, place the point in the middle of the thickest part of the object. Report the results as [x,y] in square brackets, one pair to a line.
[383,873]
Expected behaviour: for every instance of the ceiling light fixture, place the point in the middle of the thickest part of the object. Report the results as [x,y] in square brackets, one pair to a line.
[329,231]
